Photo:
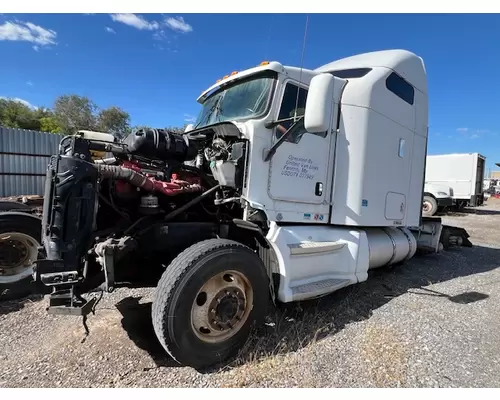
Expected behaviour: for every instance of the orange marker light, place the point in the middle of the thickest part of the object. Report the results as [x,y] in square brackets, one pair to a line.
[234,73]
[264,63]
[225,76]
[218,80]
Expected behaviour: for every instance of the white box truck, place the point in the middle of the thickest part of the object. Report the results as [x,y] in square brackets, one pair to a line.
[462,173]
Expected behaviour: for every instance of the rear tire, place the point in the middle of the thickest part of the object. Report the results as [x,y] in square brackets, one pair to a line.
[429,206]
[20,235]
[208,300]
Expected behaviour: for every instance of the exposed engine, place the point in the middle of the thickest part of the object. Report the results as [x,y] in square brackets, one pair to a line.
[156,187]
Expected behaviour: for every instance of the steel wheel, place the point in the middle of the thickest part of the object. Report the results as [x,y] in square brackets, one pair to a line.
[222,306]
[208,300]
[18,252]
[429,206]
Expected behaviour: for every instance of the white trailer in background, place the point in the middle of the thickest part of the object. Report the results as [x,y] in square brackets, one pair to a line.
[462,173]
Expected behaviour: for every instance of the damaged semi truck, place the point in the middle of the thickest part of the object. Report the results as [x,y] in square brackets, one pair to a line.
[292,184]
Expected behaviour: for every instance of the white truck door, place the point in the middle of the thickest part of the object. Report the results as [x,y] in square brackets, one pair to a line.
[300,171]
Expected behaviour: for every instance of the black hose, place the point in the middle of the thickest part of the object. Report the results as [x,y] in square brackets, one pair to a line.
[190,203]
[173,213]
[113,207]
[131,227]
[118,172]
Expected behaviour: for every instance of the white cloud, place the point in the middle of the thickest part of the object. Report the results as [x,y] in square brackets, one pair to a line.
[160,35]
[36,48]
[27,32]
[472,133]
[26,103]
[178,24]
[135,21]
[110,30]
[189,118]
[29,83]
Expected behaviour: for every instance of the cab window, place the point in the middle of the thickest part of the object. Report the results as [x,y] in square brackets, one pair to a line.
[289,105]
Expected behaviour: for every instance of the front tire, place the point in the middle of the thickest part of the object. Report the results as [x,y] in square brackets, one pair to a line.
[429,206]
[207,301]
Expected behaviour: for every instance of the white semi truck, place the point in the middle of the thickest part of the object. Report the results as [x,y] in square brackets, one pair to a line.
[292,184]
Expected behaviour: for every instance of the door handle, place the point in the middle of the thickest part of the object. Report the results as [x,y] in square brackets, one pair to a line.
[318,191]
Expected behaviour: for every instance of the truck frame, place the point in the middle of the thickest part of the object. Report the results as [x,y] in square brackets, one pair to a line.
[292,184]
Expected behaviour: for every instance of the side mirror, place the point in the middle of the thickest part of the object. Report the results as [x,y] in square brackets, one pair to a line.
[319,104]
[189,128]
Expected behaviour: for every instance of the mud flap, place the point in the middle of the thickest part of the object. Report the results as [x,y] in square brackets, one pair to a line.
[433,236]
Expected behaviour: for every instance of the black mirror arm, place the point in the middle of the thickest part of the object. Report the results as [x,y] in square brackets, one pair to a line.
[285,135]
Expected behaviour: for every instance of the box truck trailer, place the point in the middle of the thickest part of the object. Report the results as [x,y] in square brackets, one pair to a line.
[462,173]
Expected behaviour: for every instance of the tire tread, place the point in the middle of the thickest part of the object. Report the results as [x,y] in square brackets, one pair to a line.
[179,267]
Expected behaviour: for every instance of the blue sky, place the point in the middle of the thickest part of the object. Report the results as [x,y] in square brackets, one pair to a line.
[155,65]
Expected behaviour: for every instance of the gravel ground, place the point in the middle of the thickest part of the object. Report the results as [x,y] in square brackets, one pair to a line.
[430,323]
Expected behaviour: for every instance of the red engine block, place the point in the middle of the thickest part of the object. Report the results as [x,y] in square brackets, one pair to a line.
[184,183]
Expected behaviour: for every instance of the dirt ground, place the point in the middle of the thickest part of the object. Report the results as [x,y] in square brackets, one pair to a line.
[430,323]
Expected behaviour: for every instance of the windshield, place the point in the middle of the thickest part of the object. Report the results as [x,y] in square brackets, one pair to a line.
[243,100]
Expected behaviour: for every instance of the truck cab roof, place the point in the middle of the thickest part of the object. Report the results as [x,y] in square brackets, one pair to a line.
[298,74]
[405,63]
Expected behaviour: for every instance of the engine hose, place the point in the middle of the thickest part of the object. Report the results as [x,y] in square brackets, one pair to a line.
[118,172]
[174,213]
[191,203]
[203,175]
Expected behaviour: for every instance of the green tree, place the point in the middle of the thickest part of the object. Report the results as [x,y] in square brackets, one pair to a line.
[115,121]
[74,112]
[69,114]
[16,114]
[50,124]
[42,112]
